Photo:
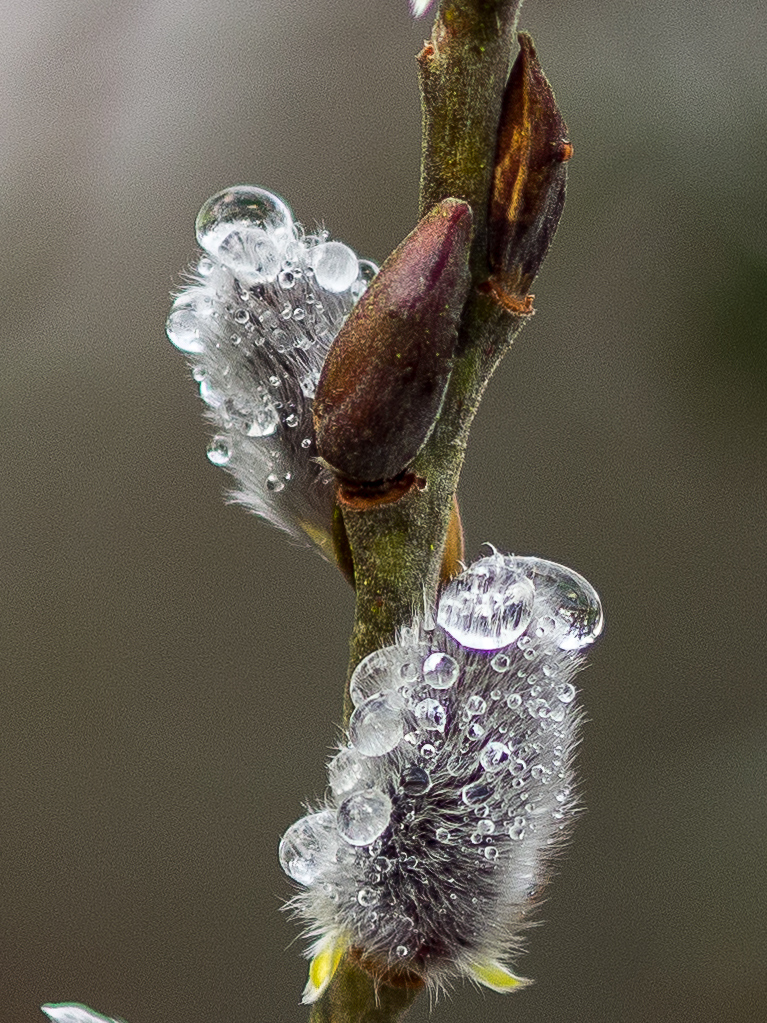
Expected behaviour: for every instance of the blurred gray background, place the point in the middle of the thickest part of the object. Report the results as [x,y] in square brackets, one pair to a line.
[172,668]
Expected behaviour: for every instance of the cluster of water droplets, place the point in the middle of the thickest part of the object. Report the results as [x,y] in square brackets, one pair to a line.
[455,783]
[265,302]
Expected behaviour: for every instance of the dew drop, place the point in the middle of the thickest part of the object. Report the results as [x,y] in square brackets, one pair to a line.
[442,835]
[491,853]
[368,897]
[219,451]
[291,420]
[363,816]
[377,725]
[570,599]
[374,674]
[335,266]
[309,846]
[566,692]
[183,325]
[494,756]
[517,832]
[274,484]
[431,715]
[475,705]
[263,420]
[500,663]
[476,793]
[345,772]
[401,951]
[488,606]
[306,443]
[209,395]
[440,671]
[238,210]
[415,781]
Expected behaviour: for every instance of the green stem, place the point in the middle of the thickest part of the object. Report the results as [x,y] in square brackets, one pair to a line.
[397,548]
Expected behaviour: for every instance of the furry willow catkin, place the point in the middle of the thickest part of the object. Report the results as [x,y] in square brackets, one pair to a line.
[265,301]
[454,784]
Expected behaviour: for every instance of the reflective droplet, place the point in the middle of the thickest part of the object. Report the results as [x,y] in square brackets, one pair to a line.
[368,897]
[291,420]
[475,705]
[494,756]
[238,209]
[401,951]
[309,846]
[476,793]
[362,817]
[219,451]
[263,420]
[209,395]
[488,606]
[442,835]
[517,832]
[500,663]
[491,853]
[374,674]
[274,484]
[335,266]
[486,826]
[345,772]
[377,725]
[415,781]
[440,671]
[183,325]
[566,692]
[306,443]
[431,715]
[571,600]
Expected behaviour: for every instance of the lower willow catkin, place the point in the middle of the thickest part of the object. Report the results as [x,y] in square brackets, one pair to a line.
[454,785]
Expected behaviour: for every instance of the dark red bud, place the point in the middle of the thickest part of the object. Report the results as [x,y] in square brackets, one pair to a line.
[385,376]
[528,192]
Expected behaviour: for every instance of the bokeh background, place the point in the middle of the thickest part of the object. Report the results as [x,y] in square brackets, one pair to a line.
[172,668]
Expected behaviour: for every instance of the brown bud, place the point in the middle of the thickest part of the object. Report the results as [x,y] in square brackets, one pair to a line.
[385,376]
[528,192]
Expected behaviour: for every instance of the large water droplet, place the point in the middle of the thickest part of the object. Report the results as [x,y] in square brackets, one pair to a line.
[335,266]
[308,846]
[375,673]
[440,671]
[377,725]
[488,606]
[495,756]
[569,598]
[415,781]
[476,793]
[242,208]
[263,420]
[183,323]
[431,715]
[274,484]
[364,816]
[345,772]
[219,451]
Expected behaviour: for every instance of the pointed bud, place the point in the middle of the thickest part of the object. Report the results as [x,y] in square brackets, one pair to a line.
[385,375]
[528,192]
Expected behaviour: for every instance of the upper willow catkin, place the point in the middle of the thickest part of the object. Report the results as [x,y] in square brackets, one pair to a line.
[265,303]
[454,786]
